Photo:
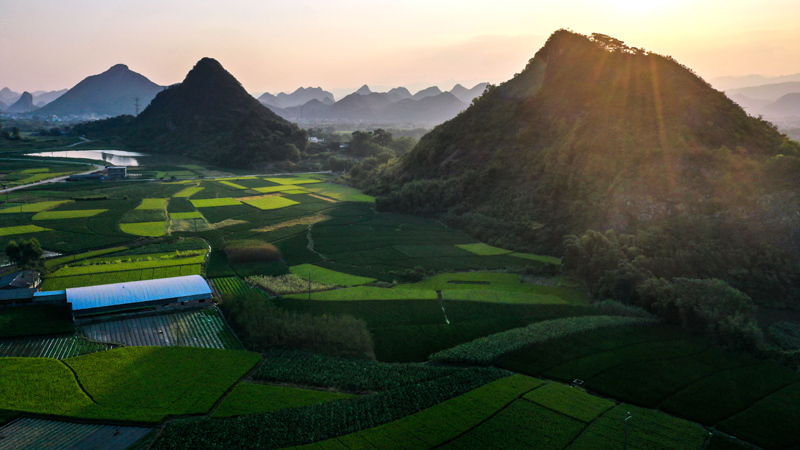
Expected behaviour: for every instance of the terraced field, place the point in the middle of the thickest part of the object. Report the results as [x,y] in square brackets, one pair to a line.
[205,328]
[41,434]
[58,347]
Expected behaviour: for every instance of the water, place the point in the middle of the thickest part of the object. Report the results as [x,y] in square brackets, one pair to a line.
[114,157]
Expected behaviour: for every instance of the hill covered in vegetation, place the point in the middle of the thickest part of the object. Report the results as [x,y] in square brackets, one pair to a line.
[208,116]
[594,135]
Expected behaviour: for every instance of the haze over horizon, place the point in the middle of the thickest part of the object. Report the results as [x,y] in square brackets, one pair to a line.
[279,46]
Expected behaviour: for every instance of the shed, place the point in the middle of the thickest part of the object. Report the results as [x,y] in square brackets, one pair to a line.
[148,294]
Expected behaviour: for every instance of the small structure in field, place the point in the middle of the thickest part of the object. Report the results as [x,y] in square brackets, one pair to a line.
[117,173]
[164,293]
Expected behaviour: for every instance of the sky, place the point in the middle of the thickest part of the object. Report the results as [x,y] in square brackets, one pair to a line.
[280,45]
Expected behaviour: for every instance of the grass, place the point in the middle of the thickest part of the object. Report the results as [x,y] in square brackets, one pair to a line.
[485,350]
[137,383]
[570,401]
[770,423]
[134,264]
[185,215]
[339,192]
[494,296]
[149,229]
[58,283]
[540,258]
[726,393]
[293,180]
[368,293]
[51,263]
[440,423]
[483,249]
[59,215]
[188,192]
[34,321]
[33,207]
[282,188]
[327,276]
[231,184]
[250,398]
[214,202]
[646,429]
[21,229]
[269,202]
[153,203]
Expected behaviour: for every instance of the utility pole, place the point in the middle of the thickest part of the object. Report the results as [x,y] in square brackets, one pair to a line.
[136,102]
[627,418]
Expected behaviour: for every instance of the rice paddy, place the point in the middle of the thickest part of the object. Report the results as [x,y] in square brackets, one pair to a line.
[149,229]
[215,202]
[269,202]
[21,229]
[60,215]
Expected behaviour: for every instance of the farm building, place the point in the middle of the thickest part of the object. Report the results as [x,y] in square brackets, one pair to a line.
[25,279]
[117,173]
[138,295]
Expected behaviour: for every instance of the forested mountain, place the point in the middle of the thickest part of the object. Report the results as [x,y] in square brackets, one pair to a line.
[23,105]
[210,116]
[597,135]
[111,93]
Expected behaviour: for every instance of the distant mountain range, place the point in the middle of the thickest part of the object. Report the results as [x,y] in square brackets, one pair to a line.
[40,98]
[23,104]
[208,116]
[429,106]
[111,93]
[773,101]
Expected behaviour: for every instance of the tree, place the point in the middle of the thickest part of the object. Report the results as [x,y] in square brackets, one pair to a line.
[26,255]
[15,133]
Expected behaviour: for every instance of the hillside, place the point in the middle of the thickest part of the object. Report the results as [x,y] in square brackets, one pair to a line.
[23,105]
[211,117]
[595,135]
[111,93]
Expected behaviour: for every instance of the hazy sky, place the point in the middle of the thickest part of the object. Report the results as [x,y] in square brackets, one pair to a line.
[279,45]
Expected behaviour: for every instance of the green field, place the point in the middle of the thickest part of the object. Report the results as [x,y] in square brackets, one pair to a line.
[570,401]
[231,184]
[483,249]
[139,384]
[153,203]
[251,398]
[214,202]
[188,192]
[185,215]
[327,276]
[149,229]
[21,229]
[33,207]
[269,202]
[281,188]
[59,215]
[368,293]
[293,180]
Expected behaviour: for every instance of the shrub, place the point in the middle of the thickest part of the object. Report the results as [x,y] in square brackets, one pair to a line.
[244,251]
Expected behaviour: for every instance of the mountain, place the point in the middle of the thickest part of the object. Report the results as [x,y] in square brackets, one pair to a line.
[751,105]
[23,105]
[430,92]
[299,97]
[433,109]
[788,105]
[593,134]
[466,95]
[400,93]
[729,83]
[211,117]
[363,90]
[3,107]
[47,97]
[771,92]
[8,96]
[111,93]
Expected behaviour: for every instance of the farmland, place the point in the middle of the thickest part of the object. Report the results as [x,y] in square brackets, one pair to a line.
[34,434]
[421,291]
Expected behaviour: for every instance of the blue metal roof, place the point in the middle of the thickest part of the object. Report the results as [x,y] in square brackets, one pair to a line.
[191,287]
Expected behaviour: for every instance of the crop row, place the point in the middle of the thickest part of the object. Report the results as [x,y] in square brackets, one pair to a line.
[204,328]
[126,266]
[50,347]
[60,283]
[231,285]
[50,263]
[297,426]
[485,350]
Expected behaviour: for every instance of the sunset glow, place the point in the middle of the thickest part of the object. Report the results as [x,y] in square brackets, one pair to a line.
[275,45]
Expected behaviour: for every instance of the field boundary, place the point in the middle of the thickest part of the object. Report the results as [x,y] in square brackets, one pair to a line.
[78,381]
[233,386]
